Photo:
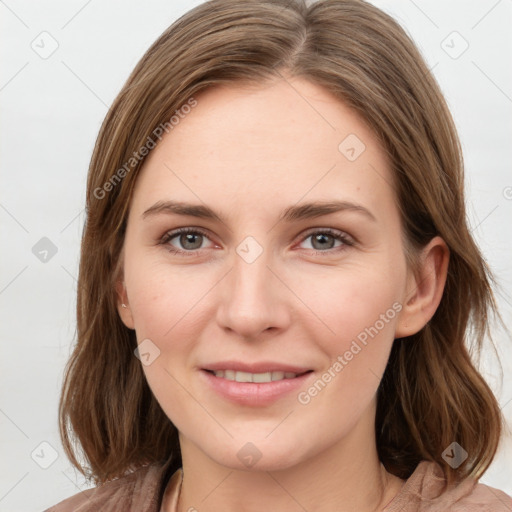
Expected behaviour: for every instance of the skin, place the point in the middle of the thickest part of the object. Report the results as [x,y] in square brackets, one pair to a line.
[249,153]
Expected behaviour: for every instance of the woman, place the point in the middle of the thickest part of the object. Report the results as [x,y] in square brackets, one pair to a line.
[277,279]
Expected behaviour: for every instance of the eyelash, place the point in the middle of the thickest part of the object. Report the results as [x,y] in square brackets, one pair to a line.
[337,235]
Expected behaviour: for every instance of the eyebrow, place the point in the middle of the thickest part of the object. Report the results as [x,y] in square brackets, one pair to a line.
[292,213]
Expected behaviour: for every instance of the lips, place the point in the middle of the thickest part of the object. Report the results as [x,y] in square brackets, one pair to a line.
[255,372]
[255,368]
[255,384]
[240,376]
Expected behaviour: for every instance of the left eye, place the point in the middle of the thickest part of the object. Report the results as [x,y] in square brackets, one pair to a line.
[191,239]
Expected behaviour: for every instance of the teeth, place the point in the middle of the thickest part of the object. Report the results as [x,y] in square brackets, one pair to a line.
[260,377]
[243,377]
[253,377]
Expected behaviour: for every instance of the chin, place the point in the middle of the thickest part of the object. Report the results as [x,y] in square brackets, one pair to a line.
[254,456]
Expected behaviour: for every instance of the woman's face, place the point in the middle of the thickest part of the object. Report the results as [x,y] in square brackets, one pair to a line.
[267,285]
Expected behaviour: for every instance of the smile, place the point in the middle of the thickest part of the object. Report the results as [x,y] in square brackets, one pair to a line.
[239,376]
[254,389]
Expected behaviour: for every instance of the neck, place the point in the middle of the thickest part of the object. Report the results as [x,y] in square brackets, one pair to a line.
[346,476]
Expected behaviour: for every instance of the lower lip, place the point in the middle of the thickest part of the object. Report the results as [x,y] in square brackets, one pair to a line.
[254,393]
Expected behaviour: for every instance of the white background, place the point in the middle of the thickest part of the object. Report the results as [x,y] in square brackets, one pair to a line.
[51,112]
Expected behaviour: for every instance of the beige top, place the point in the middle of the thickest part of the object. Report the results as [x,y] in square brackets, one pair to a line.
[145,490]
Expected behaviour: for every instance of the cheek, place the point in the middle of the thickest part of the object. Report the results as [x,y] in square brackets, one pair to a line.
[161,297]
[352,301]
[358,309]
[165,307]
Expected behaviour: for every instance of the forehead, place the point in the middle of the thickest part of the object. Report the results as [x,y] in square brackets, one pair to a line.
[265,145]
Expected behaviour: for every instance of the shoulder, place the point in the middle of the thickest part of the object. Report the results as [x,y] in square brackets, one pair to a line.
[426,491]
[486,498]
[137,491]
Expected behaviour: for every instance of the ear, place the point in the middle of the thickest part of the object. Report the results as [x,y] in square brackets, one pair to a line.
[424,288]
[124,311]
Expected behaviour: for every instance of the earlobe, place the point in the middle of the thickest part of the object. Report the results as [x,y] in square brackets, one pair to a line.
[123,306]
[425,289]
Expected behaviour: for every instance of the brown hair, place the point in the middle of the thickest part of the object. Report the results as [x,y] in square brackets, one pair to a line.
[431,394]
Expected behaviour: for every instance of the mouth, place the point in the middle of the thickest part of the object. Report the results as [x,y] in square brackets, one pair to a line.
[255,389]
[259,378]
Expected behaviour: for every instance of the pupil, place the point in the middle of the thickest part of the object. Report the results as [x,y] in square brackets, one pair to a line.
[188,237]
[322,237]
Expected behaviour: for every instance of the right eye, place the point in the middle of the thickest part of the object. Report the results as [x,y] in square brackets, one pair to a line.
[191,239]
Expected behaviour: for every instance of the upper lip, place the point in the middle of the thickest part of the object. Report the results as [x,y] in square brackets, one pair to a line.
[261,367]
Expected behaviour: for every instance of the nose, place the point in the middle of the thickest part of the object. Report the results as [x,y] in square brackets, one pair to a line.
[253,298]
